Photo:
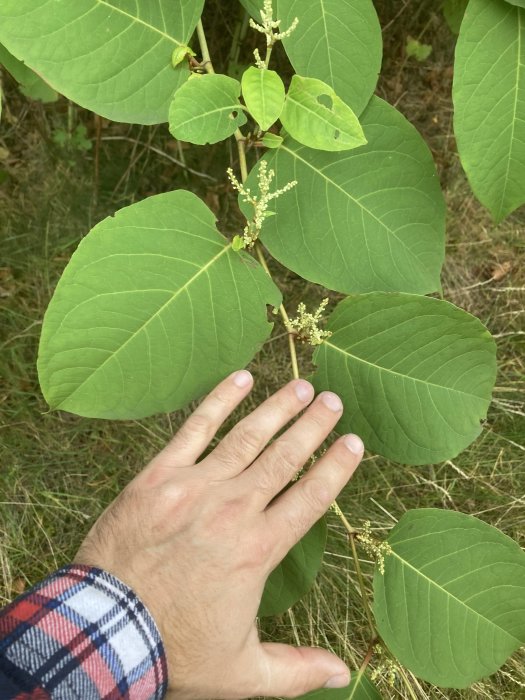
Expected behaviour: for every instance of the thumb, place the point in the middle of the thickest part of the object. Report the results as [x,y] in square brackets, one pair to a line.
[292,671]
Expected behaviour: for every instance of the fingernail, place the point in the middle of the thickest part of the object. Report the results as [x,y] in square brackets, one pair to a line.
[242,378]
[354,444]
[303,390]
[340,681]
[332,401]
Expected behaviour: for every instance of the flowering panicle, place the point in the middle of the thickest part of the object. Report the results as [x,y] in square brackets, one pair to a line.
[387,668]
[259,203]
[306,324]
[268,25]
[374,548]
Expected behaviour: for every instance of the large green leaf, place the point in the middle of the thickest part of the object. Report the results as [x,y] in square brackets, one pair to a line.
[294,576]
[454,11]
[152,311]
[364,220]
[360,688]
[31,85]
[316,117]
[415,374]
[337,41]
[263,92]
[489,103]
[111,56]
[206,109]
[451,603]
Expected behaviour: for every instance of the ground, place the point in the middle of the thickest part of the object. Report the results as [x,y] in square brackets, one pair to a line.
[58,471]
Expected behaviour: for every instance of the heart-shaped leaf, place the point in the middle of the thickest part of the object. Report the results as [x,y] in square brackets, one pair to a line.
[263,92]
[206,109]
[364,220]
[451,603]
[489,103]
[152,311]
[109,56]
[415,374]
[294,576]
[336,41]
[315,116]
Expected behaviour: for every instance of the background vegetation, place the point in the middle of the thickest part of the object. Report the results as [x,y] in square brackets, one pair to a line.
[62,169]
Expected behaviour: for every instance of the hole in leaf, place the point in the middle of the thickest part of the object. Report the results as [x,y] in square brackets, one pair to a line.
[234,114]
[326,101]
[337,134]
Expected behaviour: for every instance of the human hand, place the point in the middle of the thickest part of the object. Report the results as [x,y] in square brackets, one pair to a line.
[196,541]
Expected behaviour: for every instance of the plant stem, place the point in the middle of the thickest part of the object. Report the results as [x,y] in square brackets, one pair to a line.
[206,60]
[362,587]
[284,316]
[208,66]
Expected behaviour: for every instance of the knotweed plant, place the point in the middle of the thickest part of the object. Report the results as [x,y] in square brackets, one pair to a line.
[157,305]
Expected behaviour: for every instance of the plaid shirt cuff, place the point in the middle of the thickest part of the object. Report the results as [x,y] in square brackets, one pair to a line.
[80,634]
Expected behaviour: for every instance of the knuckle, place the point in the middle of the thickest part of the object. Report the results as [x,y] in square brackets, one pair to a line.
[247,440]
[198,423]
[315,494]
[276,470]
[222,397]
[257,553]
[196,426]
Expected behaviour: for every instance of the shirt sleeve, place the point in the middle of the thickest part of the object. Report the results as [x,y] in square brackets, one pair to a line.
[80,634]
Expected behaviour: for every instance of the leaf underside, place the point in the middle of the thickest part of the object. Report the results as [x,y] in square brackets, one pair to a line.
[31,85]
[263,91]
[489,103]
[371,219]
[415,374]
[451,603]
[295,575]
[110,56]
[153,310]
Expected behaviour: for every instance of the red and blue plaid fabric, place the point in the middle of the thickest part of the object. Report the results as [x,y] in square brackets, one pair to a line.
[80,634]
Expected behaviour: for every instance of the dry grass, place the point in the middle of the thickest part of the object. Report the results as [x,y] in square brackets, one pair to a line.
[59,471]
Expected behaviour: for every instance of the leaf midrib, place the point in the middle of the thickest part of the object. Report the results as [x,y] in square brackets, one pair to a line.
[388,230]
[515,109]
[398,374]
[406,563]
[181,289]
[133,18]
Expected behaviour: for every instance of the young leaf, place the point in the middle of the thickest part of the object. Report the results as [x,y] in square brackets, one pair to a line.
[451,603]
[338,42]
[271,140]
[316,117]
[295,575]
[359,221]
[360,688]
[415,374]
[263,92]
[454,10]
[152,311]
[489,103]
[31,85]
[206,109]
[111,57]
